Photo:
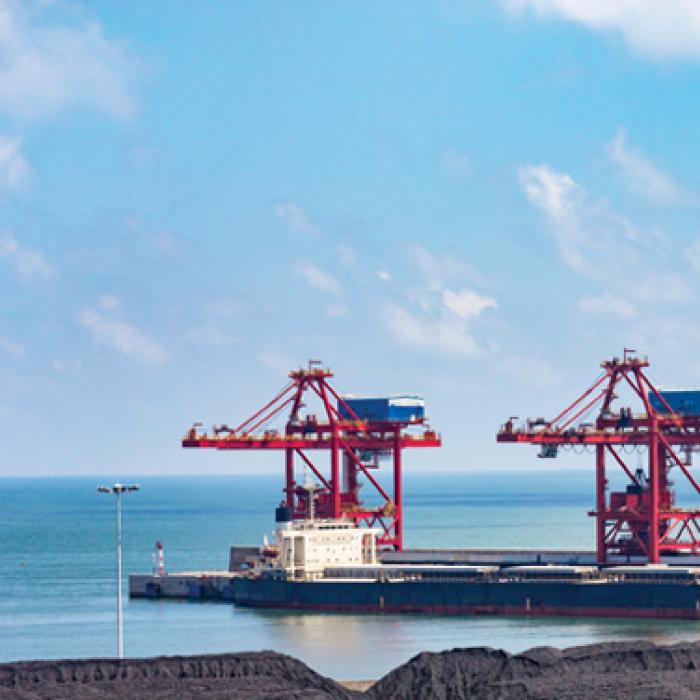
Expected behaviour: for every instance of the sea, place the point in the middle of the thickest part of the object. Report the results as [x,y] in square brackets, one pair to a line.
[57,569]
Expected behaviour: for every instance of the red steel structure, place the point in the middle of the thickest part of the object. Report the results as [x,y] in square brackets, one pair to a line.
[644,518]
[355,447]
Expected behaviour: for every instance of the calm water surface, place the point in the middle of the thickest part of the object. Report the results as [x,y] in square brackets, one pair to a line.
[57,568]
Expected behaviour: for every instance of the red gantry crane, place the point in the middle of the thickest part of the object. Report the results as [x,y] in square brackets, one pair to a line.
[355,446]
[644,518]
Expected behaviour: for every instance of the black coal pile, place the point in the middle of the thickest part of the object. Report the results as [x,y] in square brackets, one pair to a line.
[638,670]
[263,675]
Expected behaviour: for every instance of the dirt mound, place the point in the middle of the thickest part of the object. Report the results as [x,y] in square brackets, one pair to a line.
[637,670]
[260,675]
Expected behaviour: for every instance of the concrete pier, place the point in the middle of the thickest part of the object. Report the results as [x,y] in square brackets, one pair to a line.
[212,585]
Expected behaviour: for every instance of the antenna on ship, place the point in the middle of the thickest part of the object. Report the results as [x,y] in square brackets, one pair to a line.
[310,487]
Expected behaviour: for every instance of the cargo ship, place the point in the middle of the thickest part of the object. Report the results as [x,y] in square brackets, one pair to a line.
[333,552]
[332,565]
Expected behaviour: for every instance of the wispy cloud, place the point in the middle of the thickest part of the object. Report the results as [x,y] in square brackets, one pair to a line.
[12,347]
[561,200]
[607,305]
[14,170]
[216,329]
[317,278]
[295,218]
[48,66]
[116,334]
[448,336]
[692,254]
[529,369]
[27,262]
[63,366]
[641,175]
[456,162]
[142,156]
[276,361]
[438,312]
[154,236]
[109,302]
[337,310]
[347,255]
[440,269]
[598,242]
[588,233]
[659,29]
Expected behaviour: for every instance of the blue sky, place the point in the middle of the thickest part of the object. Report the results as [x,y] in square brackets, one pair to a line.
[473,201]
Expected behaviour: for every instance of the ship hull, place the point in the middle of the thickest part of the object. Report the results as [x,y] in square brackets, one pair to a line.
[600,599]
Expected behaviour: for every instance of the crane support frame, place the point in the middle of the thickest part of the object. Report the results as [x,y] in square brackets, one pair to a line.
[644,518]
[345,440]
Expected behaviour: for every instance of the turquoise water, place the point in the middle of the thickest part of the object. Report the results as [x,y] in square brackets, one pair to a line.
[57,569]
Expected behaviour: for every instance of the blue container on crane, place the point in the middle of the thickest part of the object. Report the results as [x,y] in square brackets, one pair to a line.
[685,401]
[386,409]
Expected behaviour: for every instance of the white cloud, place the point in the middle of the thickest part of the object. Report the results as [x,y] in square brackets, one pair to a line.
[14,169]
[657,28]
[607,304]
[295,218]
[448,336]
[121,336]
[384,275]
[47,66]
[28,262]
[317,277]
[557,194]
[467,304]
[641,175]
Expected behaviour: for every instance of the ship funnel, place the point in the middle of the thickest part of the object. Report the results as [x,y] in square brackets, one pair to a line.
[283,515]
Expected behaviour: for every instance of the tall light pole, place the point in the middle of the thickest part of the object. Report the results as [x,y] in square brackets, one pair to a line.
[118,490]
